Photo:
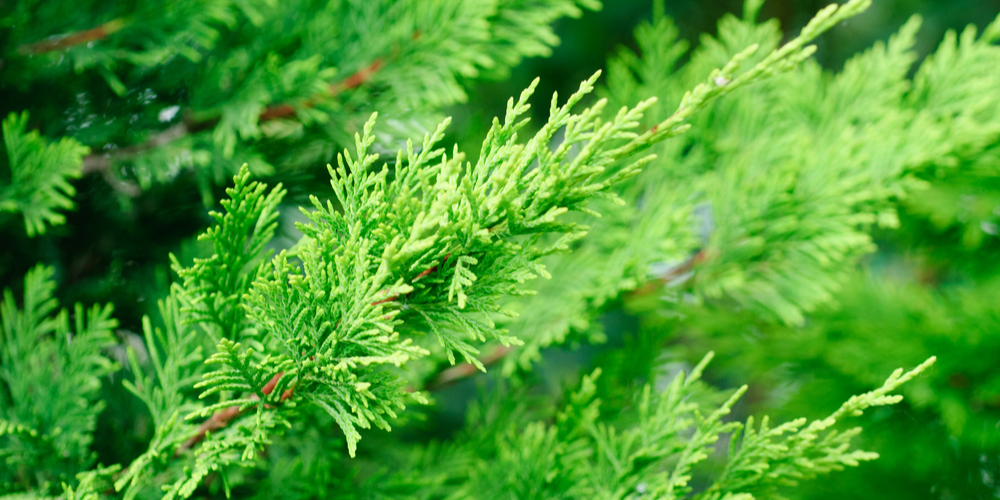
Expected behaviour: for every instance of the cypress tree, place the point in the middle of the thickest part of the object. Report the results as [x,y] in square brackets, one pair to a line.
[309,331]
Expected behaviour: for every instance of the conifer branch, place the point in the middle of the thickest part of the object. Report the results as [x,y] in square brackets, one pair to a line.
[445,378]
[480,208]
[50,370]
[425,249]
[222,418]
[39,174]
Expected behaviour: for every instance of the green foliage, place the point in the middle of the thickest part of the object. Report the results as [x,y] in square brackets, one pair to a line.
[37,177]
[432,250]
[383,262]
[769,218]
[279,85]
[771,233]
[655,447]
[258,370]
[767,457]
[953,406]
[788,204]
[215,286]
[90,484]
[51,378]
[927,291]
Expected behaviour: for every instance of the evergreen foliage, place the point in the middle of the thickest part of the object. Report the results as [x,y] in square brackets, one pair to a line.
[51,371]
[648,450]
[730,188]
[211,85]
[925,292]
[38,175]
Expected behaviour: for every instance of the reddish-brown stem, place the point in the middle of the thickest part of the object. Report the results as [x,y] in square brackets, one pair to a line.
[101,162]
[222,418]
[269,386]
[387,299]
[466,370]
[218,421]
[355,80]
[672,274]
[359,77]
[279,111]
[425,273]
[66,41]
[432,268]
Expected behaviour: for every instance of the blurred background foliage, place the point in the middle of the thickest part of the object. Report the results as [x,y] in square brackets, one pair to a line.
[930,289]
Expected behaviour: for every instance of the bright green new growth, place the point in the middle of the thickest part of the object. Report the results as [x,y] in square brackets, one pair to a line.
[766,457]
[215,286]
[38,174]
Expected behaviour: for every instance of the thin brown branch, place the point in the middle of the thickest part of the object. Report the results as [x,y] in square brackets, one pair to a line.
[62,42]
[466,370]
[678,272]
[101,162]
[222,418]
[447,377]
[355,80]
[358,78]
